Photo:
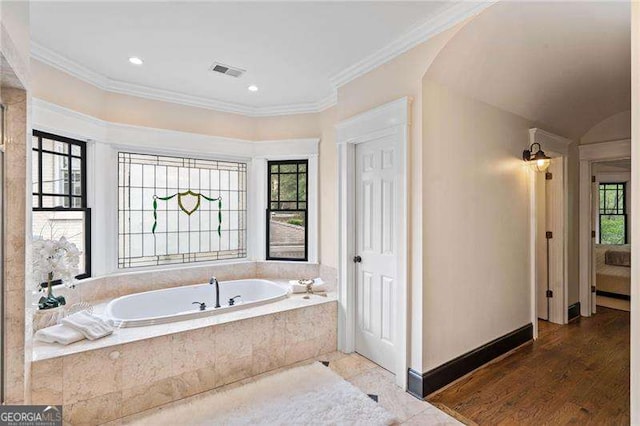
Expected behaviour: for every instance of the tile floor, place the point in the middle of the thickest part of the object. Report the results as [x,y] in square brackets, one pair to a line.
[362,373]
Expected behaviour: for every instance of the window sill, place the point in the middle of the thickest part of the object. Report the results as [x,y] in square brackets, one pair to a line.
[188,266]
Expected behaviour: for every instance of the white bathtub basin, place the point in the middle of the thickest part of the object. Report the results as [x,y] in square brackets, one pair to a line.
[176,304]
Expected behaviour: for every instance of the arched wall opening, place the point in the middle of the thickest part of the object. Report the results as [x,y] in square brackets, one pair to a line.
[512,68]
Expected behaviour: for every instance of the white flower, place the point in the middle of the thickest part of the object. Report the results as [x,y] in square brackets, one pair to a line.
[58,257]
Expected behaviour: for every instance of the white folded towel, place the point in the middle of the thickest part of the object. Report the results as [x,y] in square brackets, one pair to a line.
[59,333]
[318,285]
[91,326]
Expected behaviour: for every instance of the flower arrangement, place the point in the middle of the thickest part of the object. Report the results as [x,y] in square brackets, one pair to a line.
[52,260]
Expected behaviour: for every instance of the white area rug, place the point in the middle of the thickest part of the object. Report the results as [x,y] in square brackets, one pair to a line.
[309,395]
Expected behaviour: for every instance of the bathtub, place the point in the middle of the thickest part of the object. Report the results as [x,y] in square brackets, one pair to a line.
[177,303]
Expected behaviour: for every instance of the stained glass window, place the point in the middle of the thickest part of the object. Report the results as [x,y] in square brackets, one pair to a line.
[180,210]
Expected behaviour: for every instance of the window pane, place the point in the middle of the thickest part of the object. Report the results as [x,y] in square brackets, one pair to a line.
[56,201]
[55,146]
[288,168]
[292,205]
[287,235]
[55,174]
[611,201]
[288,187]
[302,187]
[76,150]
[612,229]
[53,225]
[35,176]
[621,201]
[602,195]
[274,187]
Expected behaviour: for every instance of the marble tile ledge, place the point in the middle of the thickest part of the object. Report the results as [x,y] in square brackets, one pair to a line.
[42,351]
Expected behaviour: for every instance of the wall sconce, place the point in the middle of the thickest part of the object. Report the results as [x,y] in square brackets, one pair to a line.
[538,160]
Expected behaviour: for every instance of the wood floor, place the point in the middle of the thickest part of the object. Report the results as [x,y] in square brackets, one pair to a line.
[573,374]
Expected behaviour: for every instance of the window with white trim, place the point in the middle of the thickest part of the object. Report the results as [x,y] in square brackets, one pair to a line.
[287,234]
[59,190]
[180,210]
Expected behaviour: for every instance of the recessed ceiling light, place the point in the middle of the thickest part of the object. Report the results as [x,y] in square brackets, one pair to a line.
[135,60]
[252,88]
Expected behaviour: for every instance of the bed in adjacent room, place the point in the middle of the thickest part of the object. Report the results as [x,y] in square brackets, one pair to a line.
[613,275]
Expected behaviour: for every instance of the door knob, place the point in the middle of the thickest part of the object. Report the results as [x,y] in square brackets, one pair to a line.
[357,259]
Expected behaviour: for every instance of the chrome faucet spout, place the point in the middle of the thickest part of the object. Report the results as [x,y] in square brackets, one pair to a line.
[213,281]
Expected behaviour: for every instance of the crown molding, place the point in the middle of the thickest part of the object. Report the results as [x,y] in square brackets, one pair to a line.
[446,18]
[62,63]
[441,21]
[54,59]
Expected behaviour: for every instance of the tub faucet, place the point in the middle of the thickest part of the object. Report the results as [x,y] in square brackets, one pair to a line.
[212,281]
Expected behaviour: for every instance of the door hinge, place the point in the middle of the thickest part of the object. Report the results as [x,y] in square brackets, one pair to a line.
[549,235]
[593,234]
[593,179]
[593,289]
[548,176]
[549,293]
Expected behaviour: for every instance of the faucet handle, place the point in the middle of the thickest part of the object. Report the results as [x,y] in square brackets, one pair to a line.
[203,305]
[232,300]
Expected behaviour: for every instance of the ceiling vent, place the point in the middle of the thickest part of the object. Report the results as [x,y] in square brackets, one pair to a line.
[227,70]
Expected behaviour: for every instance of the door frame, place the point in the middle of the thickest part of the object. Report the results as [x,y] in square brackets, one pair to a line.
[555,146]
[392,118]
[589,154]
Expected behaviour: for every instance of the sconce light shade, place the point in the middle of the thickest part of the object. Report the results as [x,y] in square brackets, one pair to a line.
[537,159]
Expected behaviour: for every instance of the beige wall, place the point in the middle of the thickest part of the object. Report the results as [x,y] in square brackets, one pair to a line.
[62,89]
[616,127]
[328,189]
[476,219]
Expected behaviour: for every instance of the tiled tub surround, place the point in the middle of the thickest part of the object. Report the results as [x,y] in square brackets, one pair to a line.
[121,284]
[139,368]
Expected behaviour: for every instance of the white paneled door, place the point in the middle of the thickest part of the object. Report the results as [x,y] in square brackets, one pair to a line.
[376,180]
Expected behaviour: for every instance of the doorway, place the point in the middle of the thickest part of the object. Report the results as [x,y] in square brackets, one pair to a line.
[590,156]
[549,232]
[373,228]
[611,212]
